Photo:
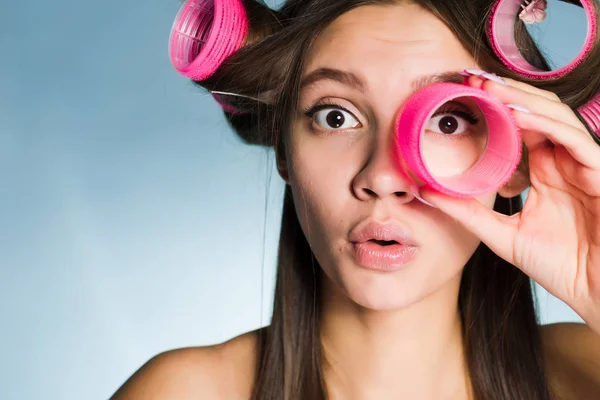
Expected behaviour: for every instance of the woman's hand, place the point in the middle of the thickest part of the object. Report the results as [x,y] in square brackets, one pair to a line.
[556,238]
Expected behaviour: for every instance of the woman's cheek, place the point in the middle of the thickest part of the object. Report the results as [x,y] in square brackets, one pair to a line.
[313,185]
[449,242]
[455,238]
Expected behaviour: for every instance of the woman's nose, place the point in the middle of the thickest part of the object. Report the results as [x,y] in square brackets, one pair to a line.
[384,174]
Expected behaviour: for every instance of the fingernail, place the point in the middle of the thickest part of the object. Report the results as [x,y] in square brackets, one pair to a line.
[425,202]
[415,192]
[473,71]
[519,108]
[493,77]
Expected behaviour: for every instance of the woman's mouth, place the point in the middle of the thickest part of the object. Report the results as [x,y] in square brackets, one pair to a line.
[383,242]
[383,255]
[382,246]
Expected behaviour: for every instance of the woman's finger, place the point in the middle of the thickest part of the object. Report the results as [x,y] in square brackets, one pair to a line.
[514,92]
[478,80]
[577,142]
[534,102]
[532,89]
[496,230]
[584,179]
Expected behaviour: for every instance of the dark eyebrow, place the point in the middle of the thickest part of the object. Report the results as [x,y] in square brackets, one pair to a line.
[444,77]
[344,77]
[353,81]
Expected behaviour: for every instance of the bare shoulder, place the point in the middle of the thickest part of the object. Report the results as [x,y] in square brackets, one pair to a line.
[572,355]
[224,370]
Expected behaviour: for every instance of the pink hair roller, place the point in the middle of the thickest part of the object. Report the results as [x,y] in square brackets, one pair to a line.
[590,112]
[498,161]
[204,34]
[501,31]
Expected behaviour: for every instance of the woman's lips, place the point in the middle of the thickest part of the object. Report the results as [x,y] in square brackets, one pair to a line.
[383,246]
[390,230]
[391,257]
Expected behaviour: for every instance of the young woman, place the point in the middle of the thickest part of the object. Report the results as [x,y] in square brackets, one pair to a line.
[455,319]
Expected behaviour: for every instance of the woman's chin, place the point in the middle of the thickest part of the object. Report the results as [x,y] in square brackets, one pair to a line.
[401,289]
[385,294]
[380,303]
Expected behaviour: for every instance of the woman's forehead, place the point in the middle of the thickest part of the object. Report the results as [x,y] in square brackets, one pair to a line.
[387,20]
[388,43]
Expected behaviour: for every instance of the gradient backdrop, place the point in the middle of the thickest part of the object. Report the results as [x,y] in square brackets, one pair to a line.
[132,220]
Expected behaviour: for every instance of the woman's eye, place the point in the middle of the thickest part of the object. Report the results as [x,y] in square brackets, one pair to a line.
[447,124]
[334,118]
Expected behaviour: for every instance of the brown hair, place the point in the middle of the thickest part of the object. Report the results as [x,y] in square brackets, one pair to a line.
[496,300]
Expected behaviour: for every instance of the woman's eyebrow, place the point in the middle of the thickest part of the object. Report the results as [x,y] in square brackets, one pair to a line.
[444,77]
[354,81]
[346,78]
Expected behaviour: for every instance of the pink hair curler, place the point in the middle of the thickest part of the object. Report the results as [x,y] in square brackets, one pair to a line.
[501,31]
[204,34]
[590,112]
[499,159]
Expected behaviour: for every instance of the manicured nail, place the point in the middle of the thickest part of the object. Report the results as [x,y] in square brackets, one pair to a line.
[493,77]
[473,71]
[519,108]
[425,202]
[415,191]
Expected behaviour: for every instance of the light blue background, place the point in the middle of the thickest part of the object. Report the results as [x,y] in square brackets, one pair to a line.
[131,218]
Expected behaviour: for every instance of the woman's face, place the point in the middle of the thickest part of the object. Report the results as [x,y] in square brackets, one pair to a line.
[342,174]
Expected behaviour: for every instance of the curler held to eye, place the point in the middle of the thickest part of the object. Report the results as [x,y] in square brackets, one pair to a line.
[458,140]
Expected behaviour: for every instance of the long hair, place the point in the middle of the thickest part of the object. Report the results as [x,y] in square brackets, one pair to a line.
[500,326]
